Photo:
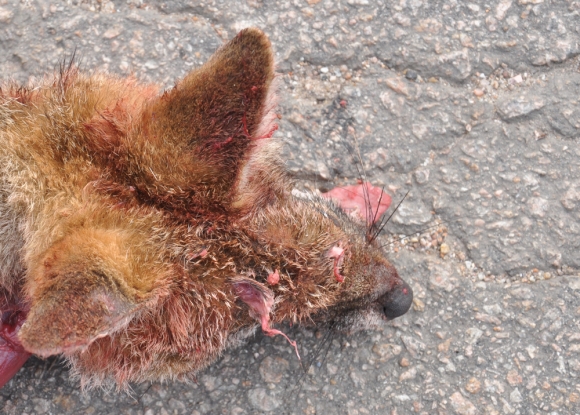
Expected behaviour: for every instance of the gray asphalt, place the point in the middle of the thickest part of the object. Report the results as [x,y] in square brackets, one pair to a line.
[471,107]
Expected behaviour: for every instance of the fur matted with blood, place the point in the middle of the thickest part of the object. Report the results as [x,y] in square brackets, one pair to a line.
[145,232]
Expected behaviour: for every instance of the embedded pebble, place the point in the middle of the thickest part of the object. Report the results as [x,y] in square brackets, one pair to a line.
[473,335]
[514,378]
[538,206]
[411,75]
[418,305]
[461,405]
[440,279]
[273,368]
[398,85]
[211,382]
[473,386]
[571,198]
[414,346]
[408,374]
[412,216]
[386,351]
[444,347]
[511,108]
[6,15]
[358,379]
[516,396]
[261,400]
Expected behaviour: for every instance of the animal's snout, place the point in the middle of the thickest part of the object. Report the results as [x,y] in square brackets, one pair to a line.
[397,302]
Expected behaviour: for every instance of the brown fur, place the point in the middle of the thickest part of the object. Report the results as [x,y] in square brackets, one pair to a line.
[126,216]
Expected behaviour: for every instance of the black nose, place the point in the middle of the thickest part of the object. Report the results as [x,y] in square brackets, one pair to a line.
[397,301]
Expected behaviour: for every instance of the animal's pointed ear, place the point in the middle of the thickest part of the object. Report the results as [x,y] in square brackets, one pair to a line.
[71,313]
[224,99]
[80,289]
[205,129]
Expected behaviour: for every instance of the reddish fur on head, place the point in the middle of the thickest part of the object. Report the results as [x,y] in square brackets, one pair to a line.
[146,226]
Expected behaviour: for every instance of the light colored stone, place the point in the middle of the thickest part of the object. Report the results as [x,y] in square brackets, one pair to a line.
[6,15]
[462,405]
[386,351]
[414,346]
[473,386]
[571,198]
[113,32]
[473,335]
[399,85]
[516,396]
[273,368]
[511,108]
[211,383]
[260,400]
[538,206]
[502,8]
[408,374]
[418,305]
[444,347]
[514,378]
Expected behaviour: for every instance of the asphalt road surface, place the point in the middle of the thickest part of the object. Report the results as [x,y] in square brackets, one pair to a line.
[471,107]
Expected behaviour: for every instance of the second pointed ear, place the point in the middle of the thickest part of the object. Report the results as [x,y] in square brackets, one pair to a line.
[200,146]
[73,311]
[81,289]
[219,108]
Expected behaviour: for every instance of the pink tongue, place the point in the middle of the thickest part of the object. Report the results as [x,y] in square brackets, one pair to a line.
[352,200]
[12,354]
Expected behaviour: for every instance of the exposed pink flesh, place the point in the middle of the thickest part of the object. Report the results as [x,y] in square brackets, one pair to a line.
[193,255]
[260,303]
[337,253]
[12,354]
[274,278]
[352,200]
